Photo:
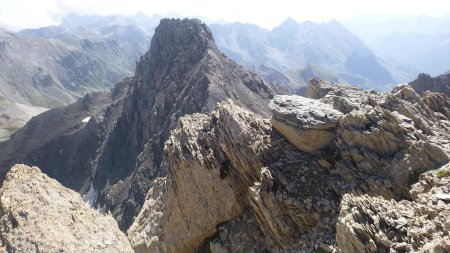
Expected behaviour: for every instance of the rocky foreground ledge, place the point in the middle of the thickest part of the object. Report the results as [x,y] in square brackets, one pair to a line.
[343,170]
[38,214]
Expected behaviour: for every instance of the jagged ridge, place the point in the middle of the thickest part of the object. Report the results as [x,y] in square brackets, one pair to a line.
[119,151]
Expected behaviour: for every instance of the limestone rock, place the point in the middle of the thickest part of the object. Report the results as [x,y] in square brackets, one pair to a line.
[40,215]
[306,123]
[374,224]
[317,89]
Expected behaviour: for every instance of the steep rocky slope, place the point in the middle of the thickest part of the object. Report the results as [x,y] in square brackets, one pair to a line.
[39,73]
[112,143]
[39,215]
[50,73]
[14,115]
[340,170]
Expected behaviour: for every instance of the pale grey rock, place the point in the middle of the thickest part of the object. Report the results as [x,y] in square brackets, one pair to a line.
[406,226]
[306,123]
[40,215]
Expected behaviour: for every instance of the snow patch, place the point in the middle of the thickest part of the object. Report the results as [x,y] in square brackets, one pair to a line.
[90,196]
[86,120]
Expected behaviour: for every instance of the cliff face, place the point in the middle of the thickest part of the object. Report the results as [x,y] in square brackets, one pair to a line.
[237,182]
[118,150]
[38,214]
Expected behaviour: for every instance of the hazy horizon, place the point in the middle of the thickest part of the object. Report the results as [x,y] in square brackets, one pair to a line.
[267,14]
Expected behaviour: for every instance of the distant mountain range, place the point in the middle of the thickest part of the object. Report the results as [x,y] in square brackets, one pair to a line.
[49,72]
[46,73]
[421,42]
[53,66]
[303,50]
[135,30]
[428,53]
[291,48]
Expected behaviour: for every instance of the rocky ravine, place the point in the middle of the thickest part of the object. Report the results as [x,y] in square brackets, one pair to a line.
[374,179]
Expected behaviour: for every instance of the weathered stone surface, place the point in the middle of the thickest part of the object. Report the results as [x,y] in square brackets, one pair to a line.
[306,123]
[240,166]
[201,156]
[40,215]
[229,161]
[374,224]
[378,135]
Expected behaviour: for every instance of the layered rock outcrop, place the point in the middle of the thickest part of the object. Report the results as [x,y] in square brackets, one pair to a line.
[307,123]
[238,169]
[257,189]
[201,156]
[38,214]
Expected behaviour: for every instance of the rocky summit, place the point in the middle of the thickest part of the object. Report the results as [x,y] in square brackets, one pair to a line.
[197,154]
[113,142]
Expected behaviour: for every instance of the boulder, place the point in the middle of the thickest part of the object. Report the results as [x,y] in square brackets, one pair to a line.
[307,123]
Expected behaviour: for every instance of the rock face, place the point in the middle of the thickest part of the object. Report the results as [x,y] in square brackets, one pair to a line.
[217,199]
[437,102]
[119,150]
[424,82]
[39,215]
[256,189]
[233,163]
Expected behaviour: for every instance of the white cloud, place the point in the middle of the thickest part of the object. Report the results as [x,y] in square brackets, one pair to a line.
[30,13]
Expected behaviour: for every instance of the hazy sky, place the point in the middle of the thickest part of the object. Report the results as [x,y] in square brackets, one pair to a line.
[36,13]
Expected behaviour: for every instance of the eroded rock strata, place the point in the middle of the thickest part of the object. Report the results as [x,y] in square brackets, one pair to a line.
[237,183]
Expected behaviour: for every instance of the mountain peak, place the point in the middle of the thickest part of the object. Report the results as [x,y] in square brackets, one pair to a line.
[289,22]
[177,36]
